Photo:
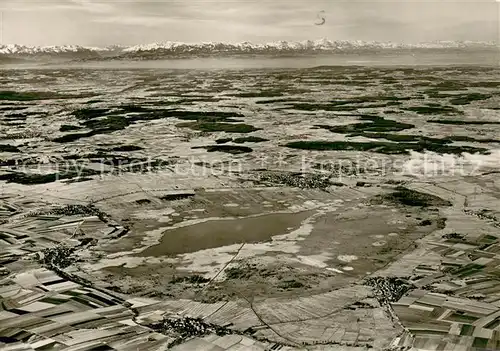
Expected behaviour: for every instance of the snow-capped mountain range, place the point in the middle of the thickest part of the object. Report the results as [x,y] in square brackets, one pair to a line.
[33,50]
[323,44]
[179,49]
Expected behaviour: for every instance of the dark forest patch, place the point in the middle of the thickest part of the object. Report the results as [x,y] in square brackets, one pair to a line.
[382,147]
[37,95]
[219,127]
[230,149]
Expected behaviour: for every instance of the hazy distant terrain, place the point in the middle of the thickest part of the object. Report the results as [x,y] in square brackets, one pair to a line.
[331,203]
[309,48]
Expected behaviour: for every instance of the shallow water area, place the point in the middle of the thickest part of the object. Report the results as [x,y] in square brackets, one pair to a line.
[223,232]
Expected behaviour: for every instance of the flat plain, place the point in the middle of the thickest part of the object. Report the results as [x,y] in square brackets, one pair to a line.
[326,208]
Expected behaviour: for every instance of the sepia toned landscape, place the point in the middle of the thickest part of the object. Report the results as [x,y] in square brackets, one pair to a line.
[323,208]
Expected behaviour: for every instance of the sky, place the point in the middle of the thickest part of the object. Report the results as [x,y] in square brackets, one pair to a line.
[113,22]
